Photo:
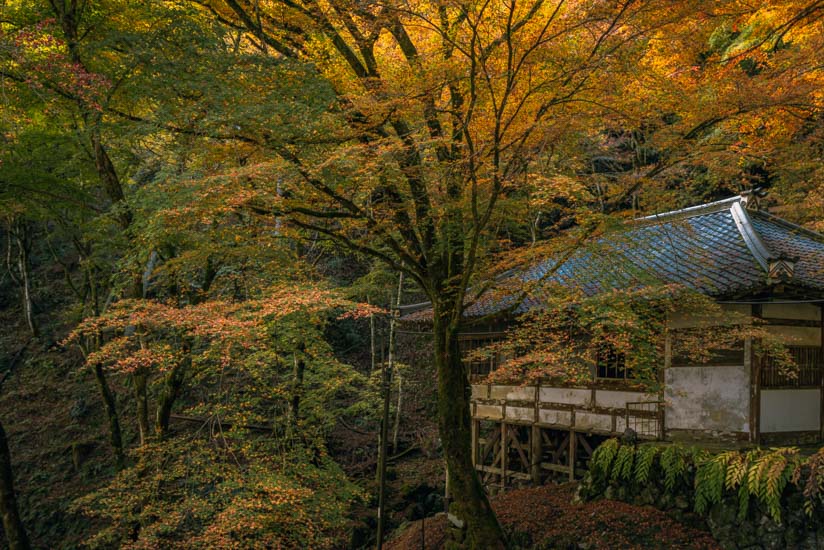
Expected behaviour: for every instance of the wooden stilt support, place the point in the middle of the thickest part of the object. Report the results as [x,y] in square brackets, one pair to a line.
[504,454]
[573,443]
[535,454]
[474,432]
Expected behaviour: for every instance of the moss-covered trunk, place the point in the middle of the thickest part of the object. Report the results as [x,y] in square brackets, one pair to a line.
[470,502]
[170,392]
[109,402]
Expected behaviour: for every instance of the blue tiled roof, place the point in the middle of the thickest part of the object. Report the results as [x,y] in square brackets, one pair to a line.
[719,249]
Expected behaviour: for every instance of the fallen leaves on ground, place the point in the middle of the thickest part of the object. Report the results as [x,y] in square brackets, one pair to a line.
[547,517]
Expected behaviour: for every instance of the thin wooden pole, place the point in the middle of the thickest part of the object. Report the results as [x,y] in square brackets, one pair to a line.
[397,427]
[387,386]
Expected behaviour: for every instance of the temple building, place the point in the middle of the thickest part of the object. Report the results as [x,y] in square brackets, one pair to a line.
[750,262]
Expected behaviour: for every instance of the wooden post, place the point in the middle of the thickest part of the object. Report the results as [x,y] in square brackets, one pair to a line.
[573,443]
[504,454]
[535,454]
[821,376]
[753,364]
[475,428]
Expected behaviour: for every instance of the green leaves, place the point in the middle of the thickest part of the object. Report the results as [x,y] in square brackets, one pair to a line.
[189,492]
[763,475]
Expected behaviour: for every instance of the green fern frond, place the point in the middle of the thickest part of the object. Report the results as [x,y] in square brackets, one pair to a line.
[644,459]
[602,459]
[622,469]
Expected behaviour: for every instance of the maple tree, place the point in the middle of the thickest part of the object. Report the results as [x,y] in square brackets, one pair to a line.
[198,157]
[441,111]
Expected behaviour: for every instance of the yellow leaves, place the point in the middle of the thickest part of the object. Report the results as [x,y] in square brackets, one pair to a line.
[551,188]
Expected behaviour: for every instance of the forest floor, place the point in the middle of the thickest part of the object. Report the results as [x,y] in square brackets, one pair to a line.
[548,518]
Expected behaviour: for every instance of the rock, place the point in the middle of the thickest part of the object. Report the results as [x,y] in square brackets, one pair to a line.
[455,521]
[772,541]
[769,525]
[646,496]
[609,494]
[629,437]
[747,535]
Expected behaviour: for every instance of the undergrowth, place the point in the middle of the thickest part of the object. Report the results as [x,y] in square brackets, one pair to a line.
[760,474]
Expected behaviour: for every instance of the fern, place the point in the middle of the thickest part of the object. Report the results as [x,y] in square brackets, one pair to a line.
[602,459]
[674,466]
[757,473]
[710,480]
[743,499]
[622,468]
[769,476]
[813,484]
[736,470]
[644,458]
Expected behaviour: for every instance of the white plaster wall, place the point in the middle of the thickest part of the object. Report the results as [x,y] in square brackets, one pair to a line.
[488,411]
[707,398]
[797,336]
[619,399]
[520,414]
[729,313]
[806,312]
[513,393]
[790,410]
[592,421]
[546,416]
[569,396]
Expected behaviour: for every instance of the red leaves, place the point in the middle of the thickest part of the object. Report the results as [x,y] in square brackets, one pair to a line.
[144,334]
[45,61]
[548,517]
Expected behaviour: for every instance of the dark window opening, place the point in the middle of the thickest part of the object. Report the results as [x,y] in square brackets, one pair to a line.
[610,363]
[808,375]
[478,367]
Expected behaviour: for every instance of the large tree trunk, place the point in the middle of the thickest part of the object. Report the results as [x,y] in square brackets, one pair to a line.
[471,504]
[12,525]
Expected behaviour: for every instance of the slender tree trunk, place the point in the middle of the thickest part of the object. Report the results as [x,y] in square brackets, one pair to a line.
[373,355]
[115,436]
[12,525]
[396,428]
[18,229]
[470,501]
[170,391]
[297,383]
[386,377]
[139,380]
[384,434]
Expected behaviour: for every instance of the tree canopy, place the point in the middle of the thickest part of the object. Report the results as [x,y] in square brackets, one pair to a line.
[204,197]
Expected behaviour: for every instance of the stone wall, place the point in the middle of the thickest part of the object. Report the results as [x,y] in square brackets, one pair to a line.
[755,530]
